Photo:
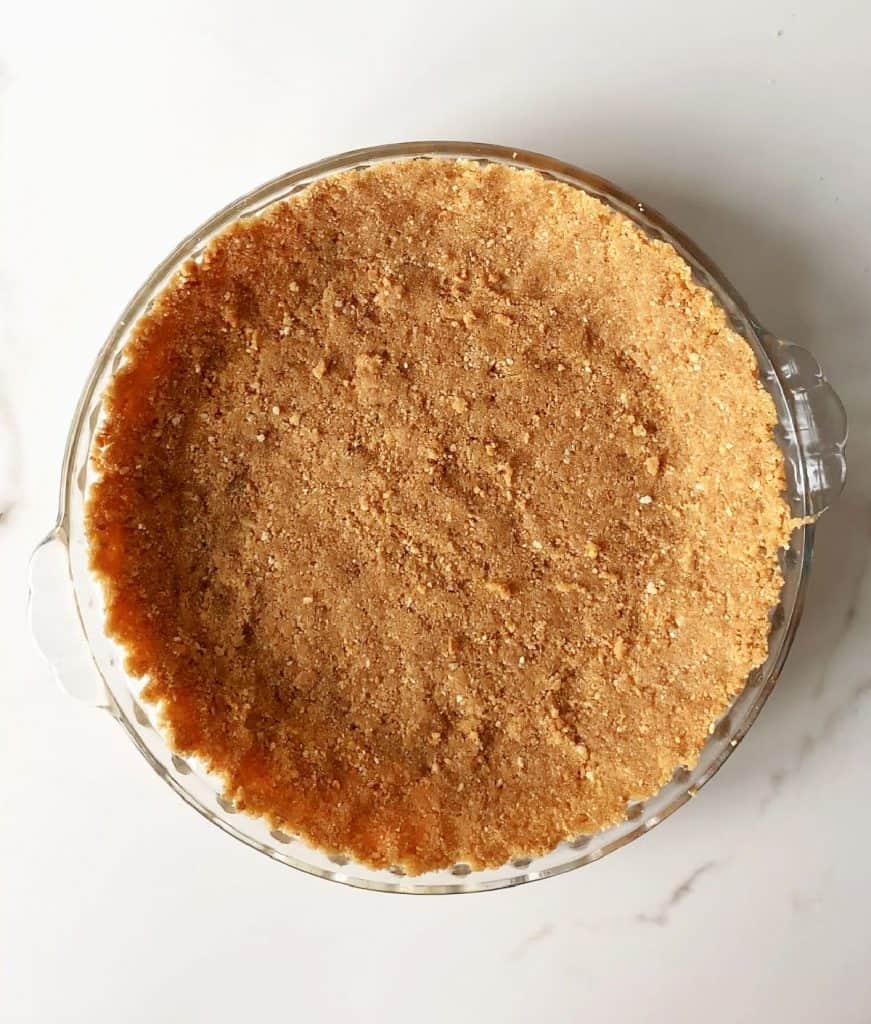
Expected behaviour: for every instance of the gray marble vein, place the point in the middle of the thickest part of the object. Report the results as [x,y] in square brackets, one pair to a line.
[538,935]
[850,612]
[811,741]
[661,915]
[831,722]
[801,902]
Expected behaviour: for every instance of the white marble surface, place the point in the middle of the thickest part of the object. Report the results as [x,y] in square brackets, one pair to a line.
[123,127]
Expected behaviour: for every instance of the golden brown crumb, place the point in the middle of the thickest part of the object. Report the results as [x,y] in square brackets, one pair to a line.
[440,508]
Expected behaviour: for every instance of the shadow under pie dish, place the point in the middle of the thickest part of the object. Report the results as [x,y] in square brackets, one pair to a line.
[432,511]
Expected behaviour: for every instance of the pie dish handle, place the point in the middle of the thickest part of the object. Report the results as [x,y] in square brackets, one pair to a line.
[820,421]
[56,624]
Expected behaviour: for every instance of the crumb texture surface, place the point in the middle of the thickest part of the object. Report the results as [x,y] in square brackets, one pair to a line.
[440,509]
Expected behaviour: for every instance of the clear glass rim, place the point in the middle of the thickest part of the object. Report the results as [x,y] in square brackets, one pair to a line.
[645,217]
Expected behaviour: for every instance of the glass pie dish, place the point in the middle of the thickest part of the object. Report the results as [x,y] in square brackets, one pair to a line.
[66,604]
